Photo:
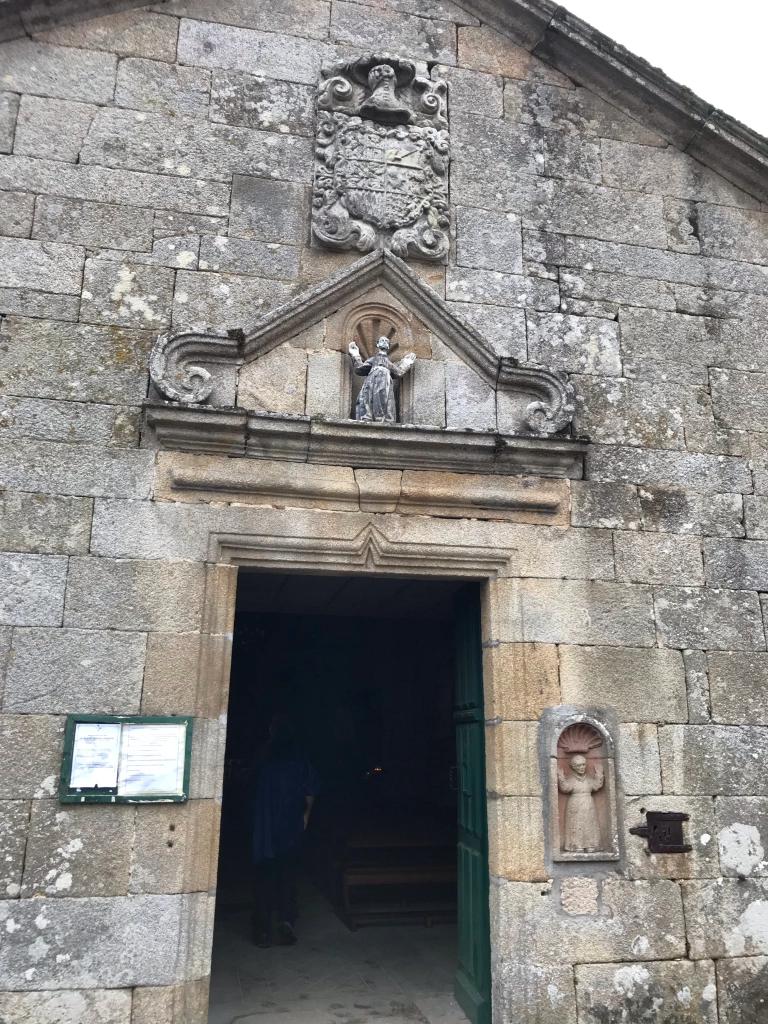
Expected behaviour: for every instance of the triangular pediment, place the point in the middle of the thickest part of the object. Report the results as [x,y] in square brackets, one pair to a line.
[294,360]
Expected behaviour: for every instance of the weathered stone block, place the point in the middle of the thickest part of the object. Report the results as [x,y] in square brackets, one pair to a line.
[648,335]
[579,344]
[45,524]
[46,266]
[473,92]
[22,776]
[520,680]
[14,819]
[275,382]
[191,146]
[706,473]
[511,759]
[666,171]
[714,760]
[496,289]
[78,850]
[207,767]
[326,380]
[255,102]
[574,612]
[741,989]
[485,50]
[107,593]
[188,1002]
[16,211]
[469,401]
[267,54]
[167,88]
[519,987]
[739,398]
[697,685]
[720,620]
[681,510]
[32,589]
[428,392]
[68,1006]
[658,558]
[170,674]
[738,685]
[97,673]
[23,302]
[616,289]
[53,129]
[56,421]
[640,684]
[700,832]
[551,106]
[489,240]
[93,224]
[502,327]
[126,294]
[227,300]
[516,838]
[59,71]
[102,184]
[607,506]
[742,835]
[735,234]
[682,229]
[96,942]
[296,17]
[562,554]
[756,516]
[253,258]
[175,848]
[137,33]
[639,762]
[366,29]
[656,992]
[9,109]
[726,917]
[52,468]
[640,921]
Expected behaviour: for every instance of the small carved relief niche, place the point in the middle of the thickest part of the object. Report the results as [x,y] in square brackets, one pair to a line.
[363,327]
[583,795]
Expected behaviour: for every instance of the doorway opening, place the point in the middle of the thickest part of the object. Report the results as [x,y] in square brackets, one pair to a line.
[381,683]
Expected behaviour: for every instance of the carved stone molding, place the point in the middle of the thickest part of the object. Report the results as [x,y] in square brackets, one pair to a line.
[361,445]
[369,551]
[192,367]
[381,159]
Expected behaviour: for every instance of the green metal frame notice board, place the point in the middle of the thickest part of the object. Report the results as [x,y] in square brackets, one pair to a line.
[126,759]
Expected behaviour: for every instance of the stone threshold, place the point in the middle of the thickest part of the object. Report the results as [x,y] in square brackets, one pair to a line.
[239,433]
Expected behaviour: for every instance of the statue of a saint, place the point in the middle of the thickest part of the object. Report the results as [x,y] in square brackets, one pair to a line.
[581,833]
[376,401]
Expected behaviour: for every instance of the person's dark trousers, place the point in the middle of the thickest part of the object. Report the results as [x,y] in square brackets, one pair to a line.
[274,893]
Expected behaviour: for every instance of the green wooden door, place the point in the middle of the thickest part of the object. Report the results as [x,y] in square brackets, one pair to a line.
[473,978]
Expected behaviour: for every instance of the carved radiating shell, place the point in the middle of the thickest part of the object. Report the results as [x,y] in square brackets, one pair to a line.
[579,739]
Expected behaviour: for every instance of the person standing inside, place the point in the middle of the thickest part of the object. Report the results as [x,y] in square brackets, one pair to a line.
[285,791]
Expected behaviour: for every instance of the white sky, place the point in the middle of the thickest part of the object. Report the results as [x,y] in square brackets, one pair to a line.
[715,47]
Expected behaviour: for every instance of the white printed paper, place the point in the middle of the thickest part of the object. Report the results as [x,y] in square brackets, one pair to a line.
[152,760]
[95,755]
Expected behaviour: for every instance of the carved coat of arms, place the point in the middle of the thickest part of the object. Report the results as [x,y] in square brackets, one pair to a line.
[381,159]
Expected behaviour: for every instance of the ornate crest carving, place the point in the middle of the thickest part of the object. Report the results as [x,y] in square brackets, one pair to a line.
[381,159]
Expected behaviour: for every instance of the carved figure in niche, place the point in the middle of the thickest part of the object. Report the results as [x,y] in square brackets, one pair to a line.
[381,159]
[376,402]
[582,828]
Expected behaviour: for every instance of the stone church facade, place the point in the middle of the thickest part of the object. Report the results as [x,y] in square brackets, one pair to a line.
[578,262]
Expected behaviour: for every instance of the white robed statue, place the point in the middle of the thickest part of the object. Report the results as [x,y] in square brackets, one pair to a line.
[581,833]
[376,401]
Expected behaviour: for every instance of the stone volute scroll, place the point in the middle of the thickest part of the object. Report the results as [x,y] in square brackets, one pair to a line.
[381,159]
[583,795]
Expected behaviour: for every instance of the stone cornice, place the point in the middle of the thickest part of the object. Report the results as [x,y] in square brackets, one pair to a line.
[235,432]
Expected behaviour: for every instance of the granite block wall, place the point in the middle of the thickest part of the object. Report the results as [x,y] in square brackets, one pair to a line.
[155,173]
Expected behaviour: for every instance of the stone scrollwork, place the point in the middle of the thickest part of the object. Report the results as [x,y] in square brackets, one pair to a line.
[381,159]
[173,363]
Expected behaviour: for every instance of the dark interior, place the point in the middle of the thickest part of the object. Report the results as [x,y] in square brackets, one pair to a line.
[364,668]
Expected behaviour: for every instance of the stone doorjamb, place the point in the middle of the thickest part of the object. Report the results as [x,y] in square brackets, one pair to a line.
[367,552]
